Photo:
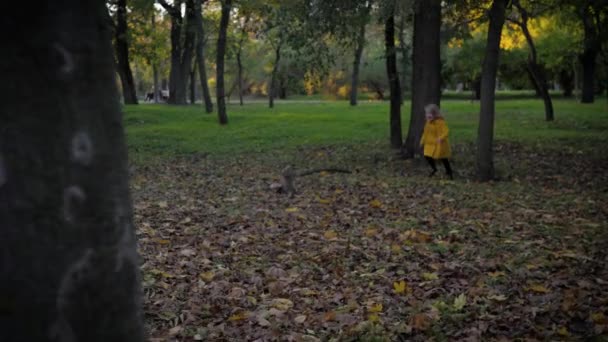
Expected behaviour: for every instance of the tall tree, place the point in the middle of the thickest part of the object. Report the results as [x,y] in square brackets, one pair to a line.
[121,46]
[534,68]
[426,74]
[182,48]
[69,264]
[239,55]
[272,89]
[589,12]
[485,137]
[393,77]
[359,46]
[221,54]
[200,56]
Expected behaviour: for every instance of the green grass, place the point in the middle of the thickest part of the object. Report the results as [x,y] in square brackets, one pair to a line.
[161,130]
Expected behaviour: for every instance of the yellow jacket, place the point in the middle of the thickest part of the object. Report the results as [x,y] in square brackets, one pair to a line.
[434,130]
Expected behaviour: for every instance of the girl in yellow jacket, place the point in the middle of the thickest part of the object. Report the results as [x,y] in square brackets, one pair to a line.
[435,140]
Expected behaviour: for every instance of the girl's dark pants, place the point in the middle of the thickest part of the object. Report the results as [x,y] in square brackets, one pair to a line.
[446,163]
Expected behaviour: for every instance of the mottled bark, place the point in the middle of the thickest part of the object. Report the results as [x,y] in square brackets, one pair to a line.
[121,46]
[485,138]
[393,80]
[426,73]
[70,270]
[220,60]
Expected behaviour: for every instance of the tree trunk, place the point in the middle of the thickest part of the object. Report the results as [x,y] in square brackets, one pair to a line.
[156,86]
[187,53]
[176,94]
[566,82]
[70,270]
[534,68]
[393,80]
[477,88]
[426,74]
[589,56]
[193,85]
[404,51]
[200,57]
[122,54]
[273,76]
[537,91]
[588,60]
[221,52]
[239,64]
[354,87]
[485,163]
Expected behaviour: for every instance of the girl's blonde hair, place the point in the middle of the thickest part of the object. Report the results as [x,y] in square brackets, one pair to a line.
[433,109]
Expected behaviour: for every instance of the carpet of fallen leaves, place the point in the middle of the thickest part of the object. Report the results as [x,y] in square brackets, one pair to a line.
[384,253]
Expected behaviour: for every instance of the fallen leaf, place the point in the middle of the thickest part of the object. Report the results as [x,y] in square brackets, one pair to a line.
[239,316]
[430,276]
[395,248]
[563,331]
[291,210]
[460,302]
[421,322]
[538,288]
[329,316]
[163,204]
[263,321]
[399,287]
[330,235]
[496,274]
[376,308]
[498,298]
[207,276]
[599,318]
[300,319]
[282,304]
[175,330]
[161,241]
[373,317]
[324,201]
[375,204]
[371,232]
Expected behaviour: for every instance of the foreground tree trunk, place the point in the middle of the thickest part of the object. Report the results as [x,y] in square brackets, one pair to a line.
[485,138]
[176,89]
[534,68]
[426,74]
[70,270]
[122,54]
[193,85]
[354,86]
[221,52]
[273,75]
[200,57]
[393,80]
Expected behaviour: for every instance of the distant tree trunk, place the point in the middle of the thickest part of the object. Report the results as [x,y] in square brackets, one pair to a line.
[273,76]
[193,85]
[156,86]
[590,52]
[404,50]
[70,270]
[187,53]
[354,87]
[537,91]
[393,80]
[485,158]
[477,88]
[122,54]
[534,68]
[566,82]
[221,52]
[426,74]
[176,90]
[239,61]
[239,64]
[200,57]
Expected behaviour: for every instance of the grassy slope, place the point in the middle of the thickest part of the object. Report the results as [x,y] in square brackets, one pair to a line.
[167,130]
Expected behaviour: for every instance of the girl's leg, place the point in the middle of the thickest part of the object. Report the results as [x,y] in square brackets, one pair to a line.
[448,168]
[431,162]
